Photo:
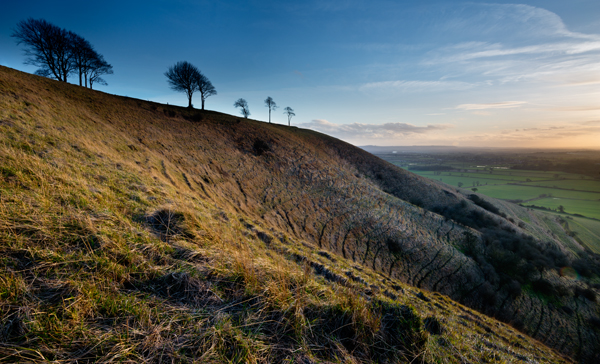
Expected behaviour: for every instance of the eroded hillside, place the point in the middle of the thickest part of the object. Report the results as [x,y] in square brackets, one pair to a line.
[138,231]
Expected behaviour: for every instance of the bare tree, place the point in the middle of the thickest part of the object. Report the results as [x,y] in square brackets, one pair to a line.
[47,46]
[59,52]
[89,64]
[98,67]
[289,112]
[241,103]
[205,87]
[82,55]
[183,77]
[271,105]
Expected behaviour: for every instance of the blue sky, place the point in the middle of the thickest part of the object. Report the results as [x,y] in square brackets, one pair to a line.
[370,72]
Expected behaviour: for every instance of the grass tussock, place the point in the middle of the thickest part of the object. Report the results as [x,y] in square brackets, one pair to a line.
[223,302]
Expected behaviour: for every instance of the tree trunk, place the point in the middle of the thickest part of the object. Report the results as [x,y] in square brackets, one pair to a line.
[203,103]
[63,73]
[269,115]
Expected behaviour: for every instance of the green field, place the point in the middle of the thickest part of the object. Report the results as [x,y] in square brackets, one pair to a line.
[538,174]
[500,177]
[507,189]
[503,176]
[578,194]
[582,207]
[524,192]
[467,181]
[582,185]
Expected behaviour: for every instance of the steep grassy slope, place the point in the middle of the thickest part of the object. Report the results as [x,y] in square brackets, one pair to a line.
[520,255]
[137,231]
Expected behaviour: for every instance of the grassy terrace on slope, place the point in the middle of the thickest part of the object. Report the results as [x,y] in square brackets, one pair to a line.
[132,231]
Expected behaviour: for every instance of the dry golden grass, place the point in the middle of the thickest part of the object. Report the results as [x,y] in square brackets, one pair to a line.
[121,240]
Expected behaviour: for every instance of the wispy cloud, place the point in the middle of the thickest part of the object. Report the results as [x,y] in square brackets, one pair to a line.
[498,50]
[494,105]
[371,131]
[517,43]
[416,86]
[492,19]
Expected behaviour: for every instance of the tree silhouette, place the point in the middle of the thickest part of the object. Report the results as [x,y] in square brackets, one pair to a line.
[271,105]
[289,112]
[241,103]
[205,87]
[59,52]
[183,77]
[89,64]
[98,67]
[47,46]
[83,55]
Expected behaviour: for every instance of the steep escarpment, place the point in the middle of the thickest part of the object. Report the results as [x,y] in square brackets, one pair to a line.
[520,259]
[177,232]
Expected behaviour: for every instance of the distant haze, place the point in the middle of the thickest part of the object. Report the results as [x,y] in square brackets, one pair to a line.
[438,149]
[469,74]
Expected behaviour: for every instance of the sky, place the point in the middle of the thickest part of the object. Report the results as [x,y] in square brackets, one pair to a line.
[391,73]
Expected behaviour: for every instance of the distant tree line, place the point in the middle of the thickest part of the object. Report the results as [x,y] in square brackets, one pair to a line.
[434,167]
[60,53]
[586,166]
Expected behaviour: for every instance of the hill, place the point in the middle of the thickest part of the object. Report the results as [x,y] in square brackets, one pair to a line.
[135,231]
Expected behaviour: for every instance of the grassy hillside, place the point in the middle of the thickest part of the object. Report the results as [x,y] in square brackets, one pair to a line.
[133,231]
